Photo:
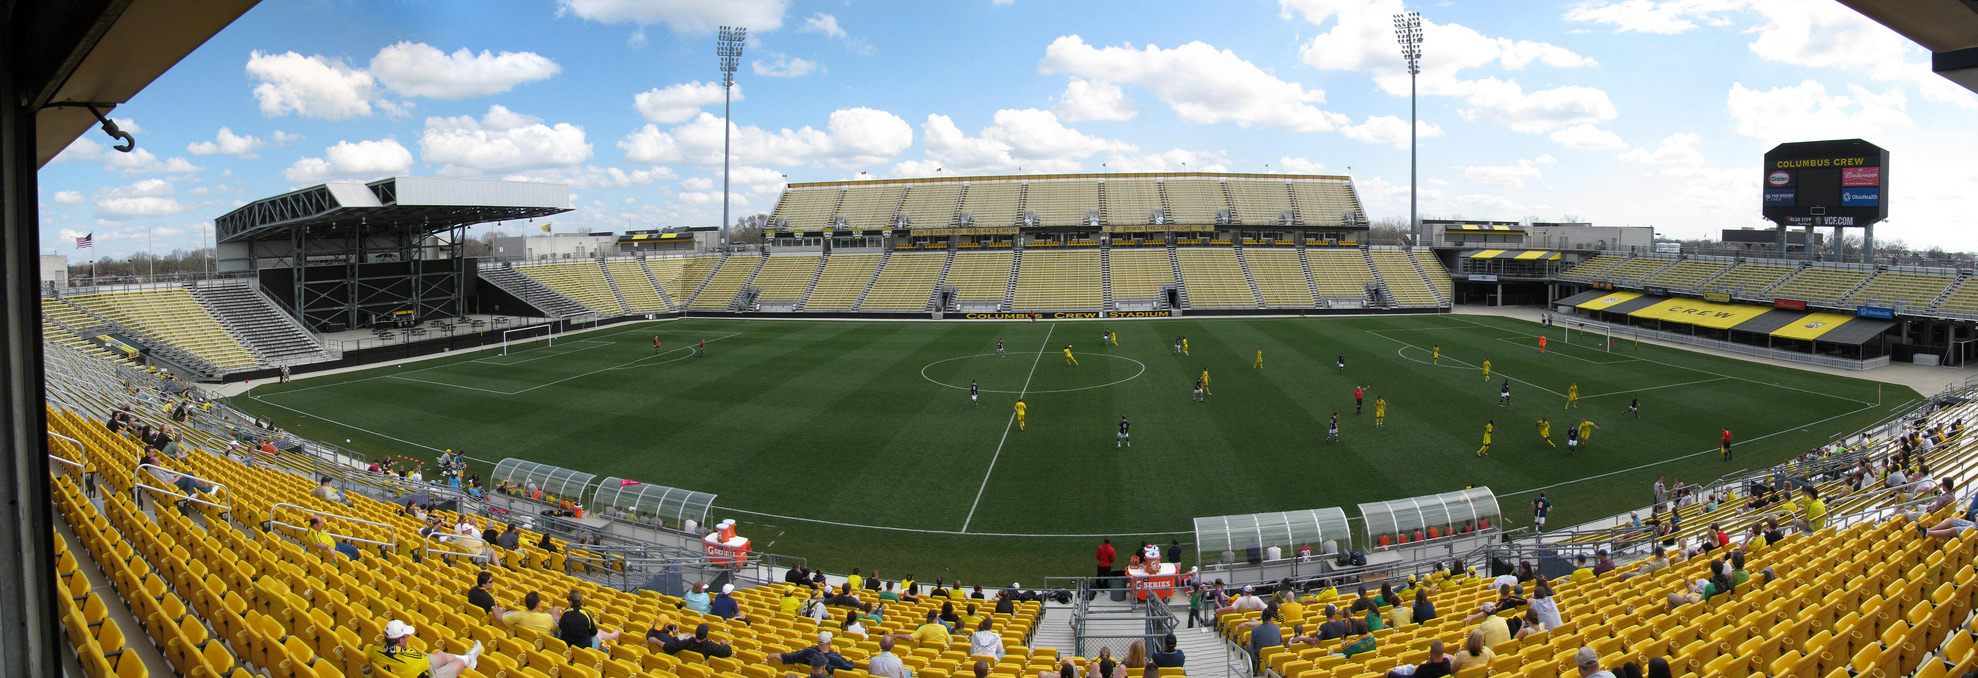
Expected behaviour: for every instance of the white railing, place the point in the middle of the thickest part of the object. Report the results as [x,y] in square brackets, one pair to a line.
[160,472]
[1742,349]
[389,530]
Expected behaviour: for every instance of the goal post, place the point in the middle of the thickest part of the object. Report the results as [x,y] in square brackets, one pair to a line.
[522,338]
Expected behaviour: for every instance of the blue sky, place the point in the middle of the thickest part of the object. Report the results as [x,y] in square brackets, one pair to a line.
[1643,112]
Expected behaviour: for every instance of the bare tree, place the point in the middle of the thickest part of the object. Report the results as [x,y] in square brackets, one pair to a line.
[749,230]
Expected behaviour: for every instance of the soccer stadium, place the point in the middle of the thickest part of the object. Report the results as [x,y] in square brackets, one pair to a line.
[511,410]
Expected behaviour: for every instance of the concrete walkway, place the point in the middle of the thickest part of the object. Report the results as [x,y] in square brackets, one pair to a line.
[1926,380]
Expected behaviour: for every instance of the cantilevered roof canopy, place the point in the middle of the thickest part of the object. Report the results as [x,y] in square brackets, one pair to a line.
[390,206]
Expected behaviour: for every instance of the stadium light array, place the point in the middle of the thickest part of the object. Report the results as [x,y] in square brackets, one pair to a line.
[1408,32]
[727,46]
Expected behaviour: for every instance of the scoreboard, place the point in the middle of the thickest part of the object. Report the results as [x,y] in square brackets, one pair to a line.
[1843,182]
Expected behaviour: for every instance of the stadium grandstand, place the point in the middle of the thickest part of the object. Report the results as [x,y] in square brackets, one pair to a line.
[182,505]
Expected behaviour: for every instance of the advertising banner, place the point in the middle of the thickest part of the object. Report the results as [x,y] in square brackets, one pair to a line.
[1789,304]
[1718,297]
[1876,312]
[1861,176]
[1861,197]
[1779,179]
[1779,197]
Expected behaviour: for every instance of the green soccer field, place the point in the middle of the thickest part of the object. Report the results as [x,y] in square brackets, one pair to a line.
[854,443]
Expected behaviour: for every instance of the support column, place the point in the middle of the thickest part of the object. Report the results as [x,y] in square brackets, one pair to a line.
[29,642]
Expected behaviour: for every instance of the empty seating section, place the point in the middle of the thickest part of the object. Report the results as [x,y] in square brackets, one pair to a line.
[1325,203]
[1194,201]
[581,281]
[783,279]
[1635,270]
[1749,279]
[1438,275]
[807,207]
[1340,273]
[170,316]
[1280,277]
[264,328]
[1819,284]
[680,276]
[1910,291]
[1687,274]
[905,283]
[980,276]
[992,203]
[725,282]
[1059,281]
[640,297]
[1214,278]
[1140,274]
[67,325]
[1061,202]
[1259,201]
[1131,202]
[871,207]
[1591,268]
[1403,282]
[54,333]
[842,281]
[932,205]
[1964,299]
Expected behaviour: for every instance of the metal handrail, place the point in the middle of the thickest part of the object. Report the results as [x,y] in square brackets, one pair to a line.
[272,522]
[80,452]
[155,469]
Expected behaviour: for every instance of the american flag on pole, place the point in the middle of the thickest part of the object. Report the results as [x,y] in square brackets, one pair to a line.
[85,241]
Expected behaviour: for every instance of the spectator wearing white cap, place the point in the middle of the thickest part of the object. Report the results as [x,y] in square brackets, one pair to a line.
[833,662]
[725,606]
[1248,601]
[393,658]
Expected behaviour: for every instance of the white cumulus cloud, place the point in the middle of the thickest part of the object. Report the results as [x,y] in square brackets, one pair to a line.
[1587,137]
[68,197]
[229,143]
[310,86]
[852,137]
[783,66]
[1508,176]
[1094,100]
[1388,130]
[422,70]
[500,141]
[147,198]
[1661,17]
[680,16]
[1682,149]
[1201,83]
[679,103]
[1027,140]
[1809,111]
[363,160]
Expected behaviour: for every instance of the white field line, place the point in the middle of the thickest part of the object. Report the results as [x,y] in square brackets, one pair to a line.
[1006,428]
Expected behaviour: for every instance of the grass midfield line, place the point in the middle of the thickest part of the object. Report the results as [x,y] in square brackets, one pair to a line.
[1006,427]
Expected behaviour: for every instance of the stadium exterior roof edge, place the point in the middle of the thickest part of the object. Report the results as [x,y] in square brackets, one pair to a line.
[1039,177]
[426,205]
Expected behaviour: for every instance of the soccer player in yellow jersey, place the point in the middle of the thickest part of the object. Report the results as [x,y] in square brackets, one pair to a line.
[1260,360]
[1068,359]
[393,658]
[1489,426]
[1205,381]
[1435,354]
[1572,395]
[1486,367]
[1587,428]
[1380,412]
[1113,337]
[1184,345]
[1545,431]
[1021,409]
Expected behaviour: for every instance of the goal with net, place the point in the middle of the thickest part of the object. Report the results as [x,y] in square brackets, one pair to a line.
[528,338]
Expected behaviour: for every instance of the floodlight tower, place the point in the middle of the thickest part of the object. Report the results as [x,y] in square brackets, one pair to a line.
[1408,32]
[728,46]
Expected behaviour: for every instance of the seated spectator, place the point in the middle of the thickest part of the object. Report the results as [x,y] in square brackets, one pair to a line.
[1266,634]
[1589,663]
[510,538]
[482,594]
[931,633]
[1244,602]
[1424,609]
[1169,656]
[531,616]
[885,664]
[809,656]
[670,641]
[1581,571]
[1335,626]
[1508,598]
[1474,652]
[889,595]
[1066,669]
[1436,666]
[725,606]
[1104,666]
[576,627]
[1528,624]
[1006,601]
[1659,561]
[814,607]
[393,657]
[985,642]
[697,599]
[1136,657]
[1362,644]
[1496,629]
[1545,606]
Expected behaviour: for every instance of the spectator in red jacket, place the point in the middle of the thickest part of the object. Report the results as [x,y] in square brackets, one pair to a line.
[1105,556]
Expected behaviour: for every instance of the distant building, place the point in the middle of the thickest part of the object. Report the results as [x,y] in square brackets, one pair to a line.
[55,270]
[556,246]
[1581,236]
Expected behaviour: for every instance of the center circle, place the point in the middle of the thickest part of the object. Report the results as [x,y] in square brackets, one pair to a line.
[964,387]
